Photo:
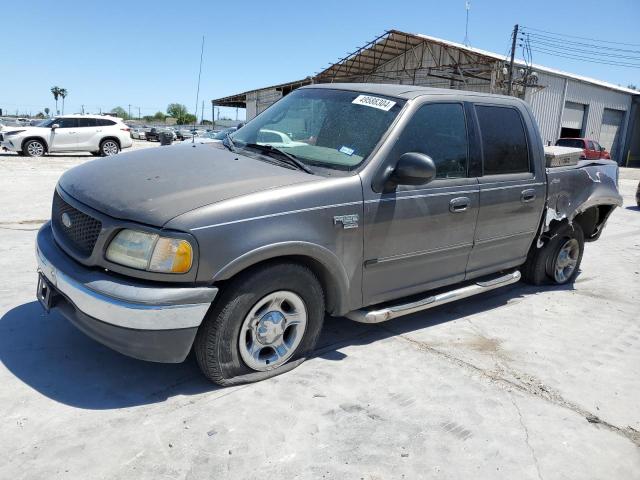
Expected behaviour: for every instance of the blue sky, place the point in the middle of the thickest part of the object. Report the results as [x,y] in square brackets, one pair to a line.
[146,54]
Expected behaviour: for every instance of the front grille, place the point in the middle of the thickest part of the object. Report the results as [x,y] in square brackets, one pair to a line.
[83,230]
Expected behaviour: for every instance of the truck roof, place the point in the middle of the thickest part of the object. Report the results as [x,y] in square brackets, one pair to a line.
[403,91]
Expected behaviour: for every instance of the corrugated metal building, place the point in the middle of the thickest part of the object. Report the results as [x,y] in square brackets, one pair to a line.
[564,104]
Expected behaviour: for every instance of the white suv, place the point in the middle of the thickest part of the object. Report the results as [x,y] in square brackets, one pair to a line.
[100,135]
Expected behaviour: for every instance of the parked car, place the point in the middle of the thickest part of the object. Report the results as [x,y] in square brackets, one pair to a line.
[217,136]
[183,134]
[592,149]
[100,135]
[238,250]
[638,195]
[152,135]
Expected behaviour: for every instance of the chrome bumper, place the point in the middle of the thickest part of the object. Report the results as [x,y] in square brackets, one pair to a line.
[118,302]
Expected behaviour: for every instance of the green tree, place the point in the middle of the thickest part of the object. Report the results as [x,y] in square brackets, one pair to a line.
[189,118]
[180,113]
[46,111]
[159,116]
[120,112]
[56,94]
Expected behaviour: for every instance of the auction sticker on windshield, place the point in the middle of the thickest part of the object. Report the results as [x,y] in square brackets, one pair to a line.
[375,102]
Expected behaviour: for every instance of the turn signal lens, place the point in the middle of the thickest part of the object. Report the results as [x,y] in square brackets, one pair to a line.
[171,255]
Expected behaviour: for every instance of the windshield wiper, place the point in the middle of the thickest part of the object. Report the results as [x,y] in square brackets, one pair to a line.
[285,157]
[229,142]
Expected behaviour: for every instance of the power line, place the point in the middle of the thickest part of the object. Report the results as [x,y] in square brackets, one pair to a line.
[579,57]
[582,38]
[581,50]
[546,38]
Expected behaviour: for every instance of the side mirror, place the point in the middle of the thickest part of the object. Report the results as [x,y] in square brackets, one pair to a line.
[54,126]
[414,169]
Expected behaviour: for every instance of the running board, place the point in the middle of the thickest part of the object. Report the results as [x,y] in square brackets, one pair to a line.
[387,313]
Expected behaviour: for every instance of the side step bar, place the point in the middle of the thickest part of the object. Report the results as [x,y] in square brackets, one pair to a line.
[387,313]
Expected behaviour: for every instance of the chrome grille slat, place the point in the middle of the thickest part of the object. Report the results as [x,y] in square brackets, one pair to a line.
[84,230]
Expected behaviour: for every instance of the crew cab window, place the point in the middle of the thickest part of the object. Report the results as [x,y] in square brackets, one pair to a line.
[103,122]
[504,142]
[591,145]
[86,122]
[438,130]
[67,122]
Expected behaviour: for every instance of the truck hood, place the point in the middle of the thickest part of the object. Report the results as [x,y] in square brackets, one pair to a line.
[154,185]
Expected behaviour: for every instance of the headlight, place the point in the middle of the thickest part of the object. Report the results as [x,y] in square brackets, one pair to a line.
[149,251]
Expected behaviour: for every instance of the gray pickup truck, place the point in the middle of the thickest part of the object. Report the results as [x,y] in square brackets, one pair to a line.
[362,201]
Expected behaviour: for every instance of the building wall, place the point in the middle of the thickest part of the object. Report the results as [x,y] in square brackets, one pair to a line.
[259,100]
[547,104]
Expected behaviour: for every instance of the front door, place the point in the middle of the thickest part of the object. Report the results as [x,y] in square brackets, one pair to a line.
[65,137]
[419,238]
[512,190]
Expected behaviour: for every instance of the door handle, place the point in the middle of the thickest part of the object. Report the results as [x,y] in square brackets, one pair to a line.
[459,204]
[528,195]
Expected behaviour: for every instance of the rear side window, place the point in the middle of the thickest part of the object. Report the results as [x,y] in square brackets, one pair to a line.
[504,141]
[86,122]
[570,142]
[438,130]
[103,122]
[67,122]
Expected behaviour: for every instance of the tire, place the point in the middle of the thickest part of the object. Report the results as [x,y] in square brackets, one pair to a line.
[109,147]
[558,260]
[34,148]
[247,320]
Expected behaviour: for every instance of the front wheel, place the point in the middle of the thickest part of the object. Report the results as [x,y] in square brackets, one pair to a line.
[34,148]
[266,322]
[109,147]
[558,260]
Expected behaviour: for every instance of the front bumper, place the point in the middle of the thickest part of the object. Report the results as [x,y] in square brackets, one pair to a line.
[144,320]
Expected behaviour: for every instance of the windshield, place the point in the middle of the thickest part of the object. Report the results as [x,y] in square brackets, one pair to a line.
[570,142]
[330,128]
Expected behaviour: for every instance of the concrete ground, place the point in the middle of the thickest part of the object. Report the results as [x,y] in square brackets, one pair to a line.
[522,383]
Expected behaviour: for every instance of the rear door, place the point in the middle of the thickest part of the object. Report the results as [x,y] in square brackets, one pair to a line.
[419,237]
[512,190]
[87,132]
[65,137]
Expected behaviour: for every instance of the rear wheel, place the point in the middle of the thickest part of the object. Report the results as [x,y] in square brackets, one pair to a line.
[34,148]
[266,322]
[109,147]
[558,260]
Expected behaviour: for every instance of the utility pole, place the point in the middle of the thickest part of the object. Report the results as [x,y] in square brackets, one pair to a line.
[82,109]
[139,113]
[213,114]
[129,110]
[513,53]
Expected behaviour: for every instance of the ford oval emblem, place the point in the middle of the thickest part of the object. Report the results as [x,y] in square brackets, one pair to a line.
[66,220]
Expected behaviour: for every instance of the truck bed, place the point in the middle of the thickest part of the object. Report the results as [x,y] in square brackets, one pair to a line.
[572,190]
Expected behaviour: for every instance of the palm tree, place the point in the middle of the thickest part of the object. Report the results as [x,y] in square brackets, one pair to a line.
[56,93]
[63,94]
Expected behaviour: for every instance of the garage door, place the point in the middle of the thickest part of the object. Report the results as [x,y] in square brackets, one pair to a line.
[610,130]
[573,116]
